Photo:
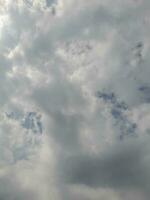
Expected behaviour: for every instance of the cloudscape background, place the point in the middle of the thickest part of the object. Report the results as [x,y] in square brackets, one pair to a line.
[74,99]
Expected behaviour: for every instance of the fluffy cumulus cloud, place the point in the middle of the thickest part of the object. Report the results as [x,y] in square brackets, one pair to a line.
[74,99]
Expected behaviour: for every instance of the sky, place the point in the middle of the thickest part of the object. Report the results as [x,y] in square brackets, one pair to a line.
[74,100]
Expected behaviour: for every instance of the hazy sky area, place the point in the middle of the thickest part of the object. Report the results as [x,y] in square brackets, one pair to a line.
[74,99]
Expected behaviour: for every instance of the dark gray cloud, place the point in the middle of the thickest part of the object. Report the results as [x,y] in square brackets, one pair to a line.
[123,166]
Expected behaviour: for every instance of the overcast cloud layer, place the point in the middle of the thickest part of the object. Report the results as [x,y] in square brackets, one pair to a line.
[74,100]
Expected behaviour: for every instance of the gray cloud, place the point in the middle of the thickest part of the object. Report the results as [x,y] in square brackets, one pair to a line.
[11,189]
[123,166]
[54,57]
